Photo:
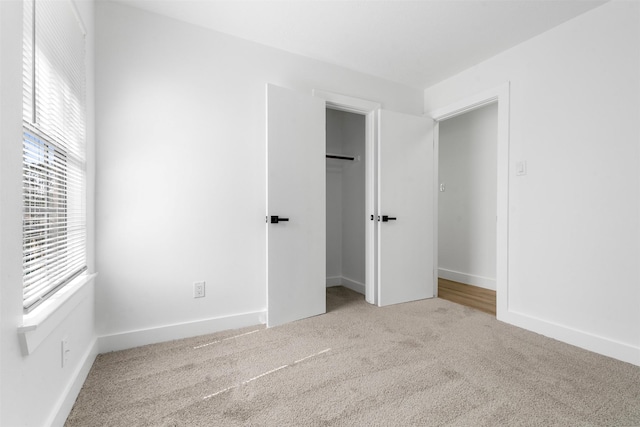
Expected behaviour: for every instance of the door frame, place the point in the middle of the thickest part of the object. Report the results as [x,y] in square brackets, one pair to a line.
[499,94]
[368,109]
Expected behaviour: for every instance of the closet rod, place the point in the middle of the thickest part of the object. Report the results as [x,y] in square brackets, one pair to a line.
[340,157]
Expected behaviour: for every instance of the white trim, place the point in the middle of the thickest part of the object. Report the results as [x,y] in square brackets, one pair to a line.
[72,390]
[369,109]
[499,94]
[371,203]
[44,319]
[468,104]
[346,103]
[601,345]
[131,339]
[354,285]
[436,194]
[334,281]
[466,278]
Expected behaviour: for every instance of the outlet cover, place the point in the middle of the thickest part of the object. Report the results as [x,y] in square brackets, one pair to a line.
[198,289]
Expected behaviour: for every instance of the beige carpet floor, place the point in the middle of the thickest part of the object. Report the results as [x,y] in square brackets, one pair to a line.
[425,363]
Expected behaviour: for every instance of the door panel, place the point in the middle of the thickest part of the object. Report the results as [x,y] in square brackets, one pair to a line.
[296,284]
[405,192]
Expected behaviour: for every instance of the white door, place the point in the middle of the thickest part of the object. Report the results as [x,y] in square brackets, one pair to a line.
[296,237]
[405,208]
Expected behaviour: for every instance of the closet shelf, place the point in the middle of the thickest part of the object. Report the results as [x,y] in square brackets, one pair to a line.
[340,157]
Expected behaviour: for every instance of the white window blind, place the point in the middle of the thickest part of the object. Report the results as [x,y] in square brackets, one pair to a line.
[54,167]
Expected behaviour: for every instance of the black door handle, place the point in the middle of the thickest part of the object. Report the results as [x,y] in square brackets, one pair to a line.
[386,218]
[276,219]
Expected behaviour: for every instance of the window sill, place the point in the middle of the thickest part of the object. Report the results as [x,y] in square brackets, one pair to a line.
[43,320]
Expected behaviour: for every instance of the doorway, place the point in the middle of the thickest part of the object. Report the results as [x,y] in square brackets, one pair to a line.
[399,159]
[346,200]
[499,98]
[399,229]
[467,208]
[365,110]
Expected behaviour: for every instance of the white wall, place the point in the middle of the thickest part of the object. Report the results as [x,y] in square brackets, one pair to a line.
[181,168]
[467,208]
[346,214]
[574,219]
[39,376]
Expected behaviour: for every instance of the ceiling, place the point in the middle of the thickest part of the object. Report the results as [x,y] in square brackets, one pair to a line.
[416,43]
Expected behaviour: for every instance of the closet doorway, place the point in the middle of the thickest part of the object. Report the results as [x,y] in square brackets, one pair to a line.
[346,209]
[399,231]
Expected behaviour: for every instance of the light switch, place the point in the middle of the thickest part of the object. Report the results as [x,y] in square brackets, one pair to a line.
[442,188]
[521,168]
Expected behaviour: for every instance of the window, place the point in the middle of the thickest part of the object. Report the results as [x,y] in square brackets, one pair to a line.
[54,167]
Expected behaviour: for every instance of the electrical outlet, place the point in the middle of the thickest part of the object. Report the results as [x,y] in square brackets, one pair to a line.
[64,351]
[198,290]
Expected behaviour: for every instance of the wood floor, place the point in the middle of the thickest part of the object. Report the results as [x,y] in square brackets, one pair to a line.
[471,296]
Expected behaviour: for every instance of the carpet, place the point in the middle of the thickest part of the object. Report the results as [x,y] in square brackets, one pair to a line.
[424,363]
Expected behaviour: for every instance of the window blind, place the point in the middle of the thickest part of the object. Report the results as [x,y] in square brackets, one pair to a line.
[54,166]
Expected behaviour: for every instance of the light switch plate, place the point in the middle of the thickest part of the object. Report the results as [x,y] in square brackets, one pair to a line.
[521,168]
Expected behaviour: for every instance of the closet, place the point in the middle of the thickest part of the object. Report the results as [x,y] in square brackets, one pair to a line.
[346,208]
[380,238]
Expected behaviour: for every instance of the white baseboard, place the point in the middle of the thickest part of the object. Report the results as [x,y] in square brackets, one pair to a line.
[597,344]
[469,279]
[347,283]
[131,339]
[70,394]
[334,281]
[354,285]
